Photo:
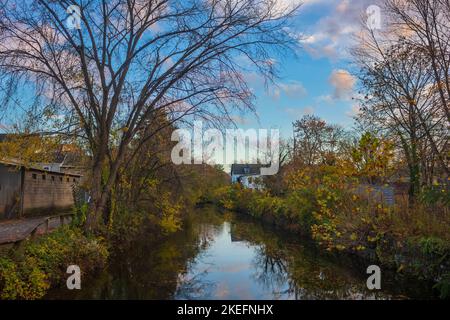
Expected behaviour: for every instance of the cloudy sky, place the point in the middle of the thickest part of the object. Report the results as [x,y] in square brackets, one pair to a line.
[318,81]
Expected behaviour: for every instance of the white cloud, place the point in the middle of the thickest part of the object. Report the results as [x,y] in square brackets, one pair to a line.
[311,2]
[354,111]
[292,89]
[343,83]
[325,98]
[332,35]
[343,6]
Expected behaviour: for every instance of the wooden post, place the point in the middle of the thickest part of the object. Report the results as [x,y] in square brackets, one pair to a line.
[33,233]
[22,191]
[16,244]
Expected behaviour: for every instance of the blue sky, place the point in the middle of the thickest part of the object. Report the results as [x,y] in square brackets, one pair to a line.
[319,80]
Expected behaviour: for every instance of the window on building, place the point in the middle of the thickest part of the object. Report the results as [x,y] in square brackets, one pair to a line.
[53,178]
[61,179]
[68,180]
[34,176]
[44,177]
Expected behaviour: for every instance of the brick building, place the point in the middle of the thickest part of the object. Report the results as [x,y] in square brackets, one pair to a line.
[28,191]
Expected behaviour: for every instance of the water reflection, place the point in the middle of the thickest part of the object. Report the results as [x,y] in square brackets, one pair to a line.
[245,261]
[219,256]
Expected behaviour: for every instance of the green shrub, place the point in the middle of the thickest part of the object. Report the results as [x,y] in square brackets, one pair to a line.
[414,240]
[22,281]
[27,273]
[301,207]
[436,194]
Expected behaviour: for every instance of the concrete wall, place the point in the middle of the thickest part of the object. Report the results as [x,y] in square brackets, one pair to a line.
[9,189]
[45,191]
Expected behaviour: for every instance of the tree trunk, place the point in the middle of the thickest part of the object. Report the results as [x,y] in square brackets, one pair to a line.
[101,191]
[99,194]
[414,171]
[414,184]
[99,198]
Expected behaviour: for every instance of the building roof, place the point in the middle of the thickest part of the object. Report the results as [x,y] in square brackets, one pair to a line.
[18,163]
[246,169]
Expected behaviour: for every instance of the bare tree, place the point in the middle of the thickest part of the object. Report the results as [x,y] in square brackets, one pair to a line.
[402,98]
[315,141]
[427,23]
[130,58]
[275,183]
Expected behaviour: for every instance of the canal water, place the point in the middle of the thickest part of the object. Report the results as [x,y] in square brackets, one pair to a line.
[228,256]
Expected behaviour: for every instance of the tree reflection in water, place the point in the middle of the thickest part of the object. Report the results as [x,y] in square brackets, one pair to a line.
[293,269]
[223,256]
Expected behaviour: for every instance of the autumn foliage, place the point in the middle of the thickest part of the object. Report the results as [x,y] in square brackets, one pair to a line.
[339,206]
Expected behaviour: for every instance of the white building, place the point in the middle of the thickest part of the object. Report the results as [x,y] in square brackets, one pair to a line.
[248,175]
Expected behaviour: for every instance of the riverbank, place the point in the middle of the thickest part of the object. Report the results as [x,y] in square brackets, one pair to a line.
[399,242]
[28,271]
[39,264]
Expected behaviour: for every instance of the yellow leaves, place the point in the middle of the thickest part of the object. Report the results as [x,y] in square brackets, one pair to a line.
[372,158]
[29,149]
[28,275]
[412,102]
[298,179]
[170,223]
[170,220]
[353,236]
[317,216]
[227,204]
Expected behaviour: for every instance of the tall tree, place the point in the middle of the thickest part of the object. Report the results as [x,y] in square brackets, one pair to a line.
[427,23]
[113,64]
[315,141]
[402,98]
